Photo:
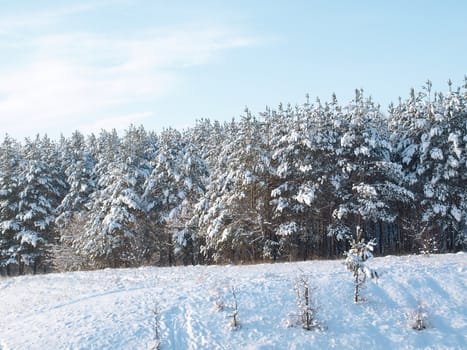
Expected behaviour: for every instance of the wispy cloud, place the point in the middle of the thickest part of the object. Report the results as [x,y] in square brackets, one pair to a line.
[84,76]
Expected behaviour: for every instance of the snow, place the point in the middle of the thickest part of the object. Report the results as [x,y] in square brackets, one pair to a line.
[307,194]
[428,190]
[29,237]
[439,209]
[408,153]
[113,309]
[287,229]
[436,154]
[454,139]
[281,204]
[456,213]
[435,131]
[362,150]
[347,139]
[366,191]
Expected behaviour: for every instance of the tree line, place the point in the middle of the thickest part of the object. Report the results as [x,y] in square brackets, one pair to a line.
[292,183]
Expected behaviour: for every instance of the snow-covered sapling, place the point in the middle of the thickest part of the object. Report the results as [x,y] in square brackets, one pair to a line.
[418,319]
[359,252]
[235,322]
[307,310]
[228,304]
[219,302]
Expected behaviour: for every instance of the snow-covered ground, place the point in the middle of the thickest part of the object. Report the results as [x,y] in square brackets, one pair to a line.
[113,309]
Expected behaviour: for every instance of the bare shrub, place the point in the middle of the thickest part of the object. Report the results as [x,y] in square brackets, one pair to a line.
[418,319]
[307,308]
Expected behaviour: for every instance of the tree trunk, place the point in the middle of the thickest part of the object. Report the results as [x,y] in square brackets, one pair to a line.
[356,287]
[307,309]
[381,237]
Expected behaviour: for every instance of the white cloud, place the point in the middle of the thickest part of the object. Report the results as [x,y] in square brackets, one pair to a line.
[72,77]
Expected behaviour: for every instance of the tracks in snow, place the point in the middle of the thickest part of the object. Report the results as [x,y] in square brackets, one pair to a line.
[182,326]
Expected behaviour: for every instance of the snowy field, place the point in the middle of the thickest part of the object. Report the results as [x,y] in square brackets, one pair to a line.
[113,309]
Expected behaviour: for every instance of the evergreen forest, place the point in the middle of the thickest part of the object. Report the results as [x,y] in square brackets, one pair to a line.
[292,183]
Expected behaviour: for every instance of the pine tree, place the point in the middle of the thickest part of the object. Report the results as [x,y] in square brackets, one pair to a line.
[71,214]
[429,132]
[40,190]
[234,221]
[78,169]
[137,150]
[369,185]
[355,261]
[183,221]
[174,186]
[112,232]
[288,158]
[9,200]
[305,167]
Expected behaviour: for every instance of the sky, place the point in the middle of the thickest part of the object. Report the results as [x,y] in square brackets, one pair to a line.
[104,64]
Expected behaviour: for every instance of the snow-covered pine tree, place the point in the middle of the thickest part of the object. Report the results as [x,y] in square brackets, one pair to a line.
[234,221]
[211,212]
[41,188]
[207,136]
[111,232]
[161,193]
[429,132]
[71,214]
[305,168]
[138,148]
[183,220]
[369,185]
[288,156]
[355,261]
[171,191]
[116,229]
[78,168]
[9,200]
[109,238]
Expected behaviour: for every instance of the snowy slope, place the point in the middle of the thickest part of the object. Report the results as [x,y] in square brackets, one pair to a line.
[112,309]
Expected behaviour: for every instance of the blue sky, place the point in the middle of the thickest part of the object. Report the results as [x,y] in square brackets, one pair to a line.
[88,65]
